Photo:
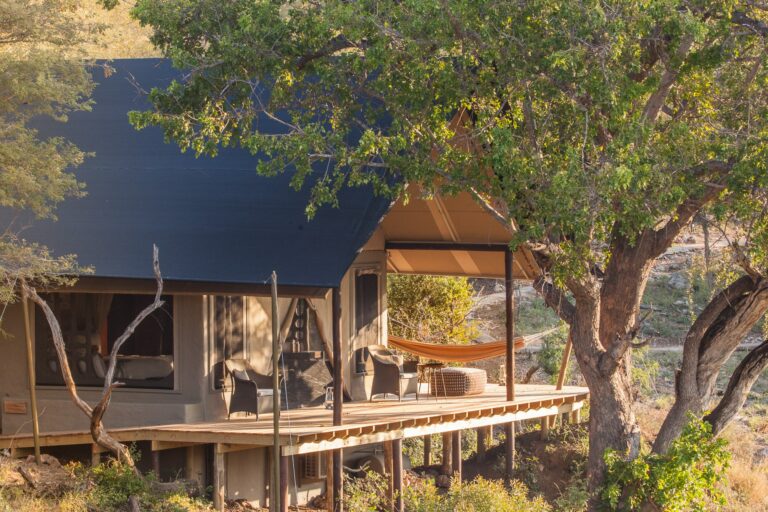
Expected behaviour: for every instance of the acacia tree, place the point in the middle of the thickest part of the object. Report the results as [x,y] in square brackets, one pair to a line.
[598,129]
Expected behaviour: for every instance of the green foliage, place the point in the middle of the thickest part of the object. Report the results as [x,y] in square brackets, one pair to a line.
[41,74]
[645,370]
[550,357]
[367,493]
[430,308]
[561,94]
[479,495]
[115,483]
[685,478]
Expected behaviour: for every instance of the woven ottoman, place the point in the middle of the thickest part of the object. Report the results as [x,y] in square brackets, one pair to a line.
[457,382]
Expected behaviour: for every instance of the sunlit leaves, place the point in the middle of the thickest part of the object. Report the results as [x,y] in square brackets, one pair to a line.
[554,93]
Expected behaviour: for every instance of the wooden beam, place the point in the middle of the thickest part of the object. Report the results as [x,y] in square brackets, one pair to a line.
[427,450]
[444,246]
[397,474]
[159,446]
[456,455]
[219,478]
[229,447]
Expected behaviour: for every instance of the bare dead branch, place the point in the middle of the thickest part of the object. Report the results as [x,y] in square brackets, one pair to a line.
[95,414]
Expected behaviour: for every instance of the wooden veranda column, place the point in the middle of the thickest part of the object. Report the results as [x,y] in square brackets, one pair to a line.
[509,311]
[338,398]
[397,474]
[31,373]
[276,503]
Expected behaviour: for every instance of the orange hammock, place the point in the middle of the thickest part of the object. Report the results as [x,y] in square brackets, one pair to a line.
[455,353]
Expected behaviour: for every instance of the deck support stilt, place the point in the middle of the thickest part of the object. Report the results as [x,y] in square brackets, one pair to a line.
[219,477]
[481,443]
[576,416]
[397,474]
[509,446]
[545,427]
[329,480]
[445,469]
[284,462]
[156,463]
[427,450]
[338,481]
[389,473]
[456,455]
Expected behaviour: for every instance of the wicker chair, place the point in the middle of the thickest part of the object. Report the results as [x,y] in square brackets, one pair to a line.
[391,375]
[248,387]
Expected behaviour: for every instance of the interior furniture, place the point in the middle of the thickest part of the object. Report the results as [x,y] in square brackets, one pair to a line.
[391,374]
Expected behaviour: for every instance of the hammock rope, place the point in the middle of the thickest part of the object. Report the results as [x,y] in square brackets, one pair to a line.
[454,353]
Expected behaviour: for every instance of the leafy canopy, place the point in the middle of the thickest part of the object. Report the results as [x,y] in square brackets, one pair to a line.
[580,120]
[40,75]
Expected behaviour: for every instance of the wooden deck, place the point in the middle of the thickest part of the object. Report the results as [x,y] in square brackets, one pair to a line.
[310,430]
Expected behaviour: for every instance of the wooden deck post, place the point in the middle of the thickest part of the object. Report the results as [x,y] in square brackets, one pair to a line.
[576,416]
[284,461]
[445,468]
[509,312]
[509,446]
[219,477]
[31,373]
[427,450]
[481,443]
[397,473]
[456,455]
[388,472]
[156,463]
[338,399]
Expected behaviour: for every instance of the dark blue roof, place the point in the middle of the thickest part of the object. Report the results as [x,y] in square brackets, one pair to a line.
[214,219]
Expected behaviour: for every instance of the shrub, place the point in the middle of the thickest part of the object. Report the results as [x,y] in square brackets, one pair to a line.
[684,478]
[479,495]
[367,493]
[430,308]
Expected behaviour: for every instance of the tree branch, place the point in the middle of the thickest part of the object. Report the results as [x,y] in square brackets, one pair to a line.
[738,389]
[555,299]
